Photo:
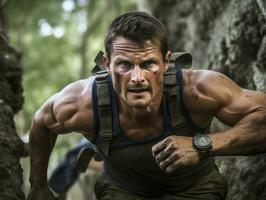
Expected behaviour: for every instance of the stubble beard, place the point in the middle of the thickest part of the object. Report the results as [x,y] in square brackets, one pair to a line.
[138,103]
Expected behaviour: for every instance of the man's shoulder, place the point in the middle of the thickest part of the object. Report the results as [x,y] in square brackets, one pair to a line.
[201,78]
[76,95]
[73,101]
[78,87]
[75,91]
[205,89]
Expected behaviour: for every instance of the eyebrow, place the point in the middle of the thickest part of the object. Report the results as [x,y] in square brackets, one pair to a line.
[151,58]
[118,58]
[144,59]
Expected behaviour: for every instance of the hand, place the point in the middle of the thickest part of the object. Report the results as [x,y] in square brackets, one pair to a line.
[41,193]
[175,152]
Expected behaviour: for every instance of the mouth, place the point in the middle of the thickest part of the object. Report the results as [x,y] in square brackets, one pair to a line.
[138,90]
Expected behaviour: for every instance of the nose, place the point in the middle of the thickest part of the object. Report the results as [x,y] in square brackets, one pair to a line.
[137,75]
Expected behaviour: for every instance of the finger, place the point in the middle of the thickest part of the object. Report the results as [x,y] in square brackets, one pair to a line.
[169,161]
[157,148]
[164,153]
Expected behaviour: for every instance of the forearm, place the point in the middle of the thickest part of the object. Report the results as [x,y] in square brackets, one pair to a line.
[247,137]
[41,145]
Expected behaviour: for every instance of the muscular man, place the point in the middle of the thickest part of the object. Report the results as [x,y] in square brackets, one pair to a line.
[148,157]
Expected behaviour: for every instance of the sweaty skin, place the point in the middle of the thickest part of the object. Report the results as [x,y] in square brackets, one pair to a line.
[214,94]
[137,73]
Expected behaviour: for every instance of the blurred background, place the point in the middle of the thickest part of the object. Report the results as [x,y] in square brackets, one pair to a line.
[58,41]
[45,45]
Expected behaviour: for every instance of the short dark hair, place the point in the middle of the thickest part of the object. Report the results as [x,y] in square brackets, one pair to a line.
[138,27]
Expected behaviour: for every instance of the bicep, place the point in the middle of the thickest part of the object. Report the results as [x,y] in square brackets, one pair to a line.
[219,96]
[70,110]
[239,103]
[44,119]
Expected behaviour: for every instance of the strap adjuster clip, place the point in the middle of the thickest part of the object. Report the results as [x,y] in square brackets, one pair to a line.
[105,135]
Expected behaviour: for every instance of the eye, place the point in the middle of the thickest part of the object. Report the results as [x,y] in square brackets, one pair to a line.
[124,65]
[148,63]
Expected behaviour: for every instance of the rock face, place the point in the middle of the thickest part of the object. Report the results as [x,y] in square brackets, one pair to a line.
[11,147]
[229,37]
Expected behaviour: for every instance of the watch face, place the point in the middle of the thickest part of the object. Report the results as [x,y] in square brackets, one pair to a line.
[203,141]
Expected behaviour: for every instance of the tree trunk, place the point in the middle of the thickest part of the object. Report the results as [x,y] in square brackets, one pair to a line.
[91,25]
[226,36]
[11,147]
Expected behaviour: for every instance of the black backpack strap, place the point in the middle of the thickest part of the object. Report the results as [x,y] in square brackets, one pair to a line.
[84,157]
[171,93]
[105,132]
[172,89]
[104,108]
[105,112]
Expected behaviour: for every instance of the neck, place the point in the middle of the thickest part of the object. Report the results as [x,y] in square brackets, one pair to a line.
[141,116]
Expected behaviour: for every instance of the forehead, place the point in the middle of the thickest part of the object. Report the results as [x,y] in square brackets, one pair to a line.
[125,47]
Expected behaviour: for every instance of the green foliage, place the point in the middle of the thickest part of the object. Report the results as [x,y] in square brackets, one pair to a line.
[49,61]
[49,34]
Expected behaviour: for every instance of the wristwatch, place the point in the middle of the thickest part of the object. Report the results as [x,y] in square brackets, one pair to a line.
[203,144]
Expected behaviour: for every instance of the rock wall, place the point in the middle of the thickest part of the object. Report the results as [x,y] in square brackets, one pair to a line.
[229,37]
[11,147]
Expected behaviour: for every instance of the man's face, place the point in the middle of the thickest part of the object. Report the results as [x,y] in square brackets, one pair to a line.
[137,72]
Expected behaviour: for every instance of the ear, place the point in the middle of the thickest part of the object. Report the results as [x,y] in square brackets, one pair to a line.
[167,60]
[106,63]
